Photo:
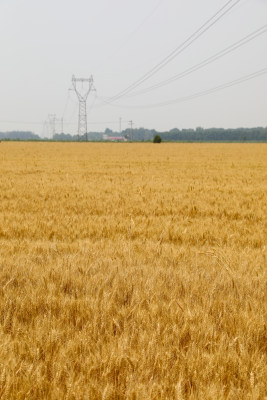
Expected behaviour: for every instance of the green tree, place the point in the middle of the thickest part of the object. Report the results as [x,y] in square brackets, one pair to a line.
[157,139]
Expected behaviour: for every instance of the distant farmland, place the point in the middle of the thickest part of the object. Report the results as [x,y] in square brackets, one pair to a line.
[133,271]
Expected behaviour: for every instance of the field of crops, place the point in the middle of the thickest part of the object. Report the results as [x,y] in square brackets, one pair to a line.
[133,271]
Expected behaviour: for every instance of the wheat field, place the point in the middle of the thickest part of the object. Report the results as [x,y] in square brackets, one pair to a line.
[133,271]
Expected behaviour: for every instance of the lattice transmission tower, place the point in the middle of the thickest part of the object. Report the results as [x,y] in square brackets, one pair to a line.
[52,124]
[86,86]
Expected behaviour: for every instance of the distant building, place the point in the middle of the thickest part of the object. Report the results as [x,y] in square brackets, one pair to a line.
[114,138]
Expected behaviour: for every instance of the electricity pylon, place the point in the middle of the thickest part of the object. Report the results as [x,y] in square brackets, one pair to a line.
[131,125]
[82,95]
[52,124]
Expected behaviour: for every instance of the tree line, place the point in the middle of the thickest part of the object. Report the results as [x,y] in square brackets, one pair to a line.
[199,134]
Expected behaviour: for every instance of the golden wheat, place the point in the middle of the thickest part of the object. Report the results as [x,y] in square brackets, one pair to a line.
[133,271]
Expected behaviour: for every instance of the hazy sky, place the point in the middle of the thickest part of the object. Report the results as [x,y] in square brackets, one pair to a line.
[117,41]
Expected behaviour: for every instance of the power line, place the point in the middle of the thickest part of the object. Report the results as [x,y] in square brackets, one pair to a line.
[205,62]
[21,122]
[182,47]
[93,102]
[66,104]
[65,123]
[206,92]
[132,33]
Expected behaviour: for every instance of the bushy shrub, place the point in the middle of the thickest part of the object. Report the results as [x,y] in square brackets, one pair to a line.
[157,139]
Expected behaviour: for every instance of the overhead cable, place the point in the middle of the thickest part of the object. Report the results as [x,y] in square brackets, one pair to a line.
[193,96]
[132,33]
[205,62]
[182,47]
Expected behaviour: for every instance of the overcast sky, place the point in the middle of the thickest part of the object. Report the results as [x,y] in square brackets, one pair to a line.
[43,43]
